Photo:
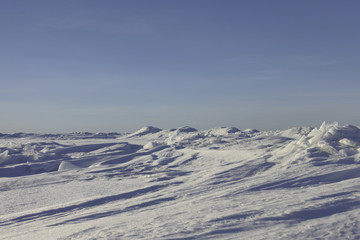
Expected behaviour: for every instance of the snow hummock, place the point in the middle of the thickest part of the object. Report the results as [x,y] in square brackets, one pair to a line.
[186,129]
[220,131]
[152,144]
[221,183]
[144,131]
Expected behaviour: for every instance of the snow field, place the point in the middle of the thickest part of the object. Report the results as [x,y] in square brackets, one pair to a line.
[222,183]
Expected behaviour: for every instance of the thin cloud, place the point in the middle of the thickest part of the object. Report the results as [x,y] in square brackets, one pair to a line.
[126,26]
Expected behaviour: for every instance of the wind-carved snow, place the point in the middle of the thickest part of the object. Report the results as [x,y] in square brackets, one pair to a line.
[65,165]
[221,183]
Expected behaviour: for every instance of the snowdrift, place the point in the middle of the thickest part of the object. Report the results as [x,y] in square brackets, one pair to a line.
[221,183]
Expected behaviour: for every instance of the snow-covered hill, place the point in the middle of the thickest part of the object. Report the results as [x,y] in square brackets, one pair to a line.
[222,183]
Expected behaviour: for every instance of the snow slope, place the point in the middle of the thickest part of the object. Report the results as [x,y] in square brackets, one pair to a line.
[222,183]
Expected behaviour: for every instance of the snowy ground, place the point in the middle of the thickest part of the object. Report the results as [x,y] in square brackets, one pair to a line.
[222,183]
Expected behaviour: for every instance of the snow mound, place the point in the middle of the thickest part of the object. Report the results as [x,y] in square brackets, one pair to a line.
[152,144]
[341,141]
[328,144]
[186,129]
[144,131]
[296,132]
[332,136]
[221,131]
[65,165]
[251,131]
[332,133]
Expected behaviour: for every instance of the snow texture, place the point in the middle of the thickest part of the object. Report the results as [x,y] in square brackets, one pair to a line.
[221,183]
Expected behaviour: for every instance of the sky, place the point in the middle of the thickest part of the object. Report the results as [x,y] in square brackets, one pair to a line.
[118,65]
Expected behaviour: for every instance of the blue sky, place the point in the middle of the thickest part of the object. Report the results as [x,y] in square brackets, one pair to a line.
[86,65]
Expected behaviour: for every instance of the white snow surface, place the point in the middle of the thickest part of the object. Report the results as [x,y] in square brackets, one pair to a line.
[222,183]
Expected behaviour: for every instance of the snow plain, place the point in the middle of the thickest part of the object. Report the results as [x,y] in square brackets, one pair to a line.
[222,183]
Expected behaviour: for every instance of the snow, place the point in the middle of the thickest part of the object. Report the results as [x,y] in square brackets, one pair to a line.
[221,183]
[144,131]
[65,165]
[4,156]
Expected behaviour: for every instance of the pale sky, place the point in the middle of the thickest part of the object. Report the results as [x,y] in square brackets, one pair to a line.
[118,65]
